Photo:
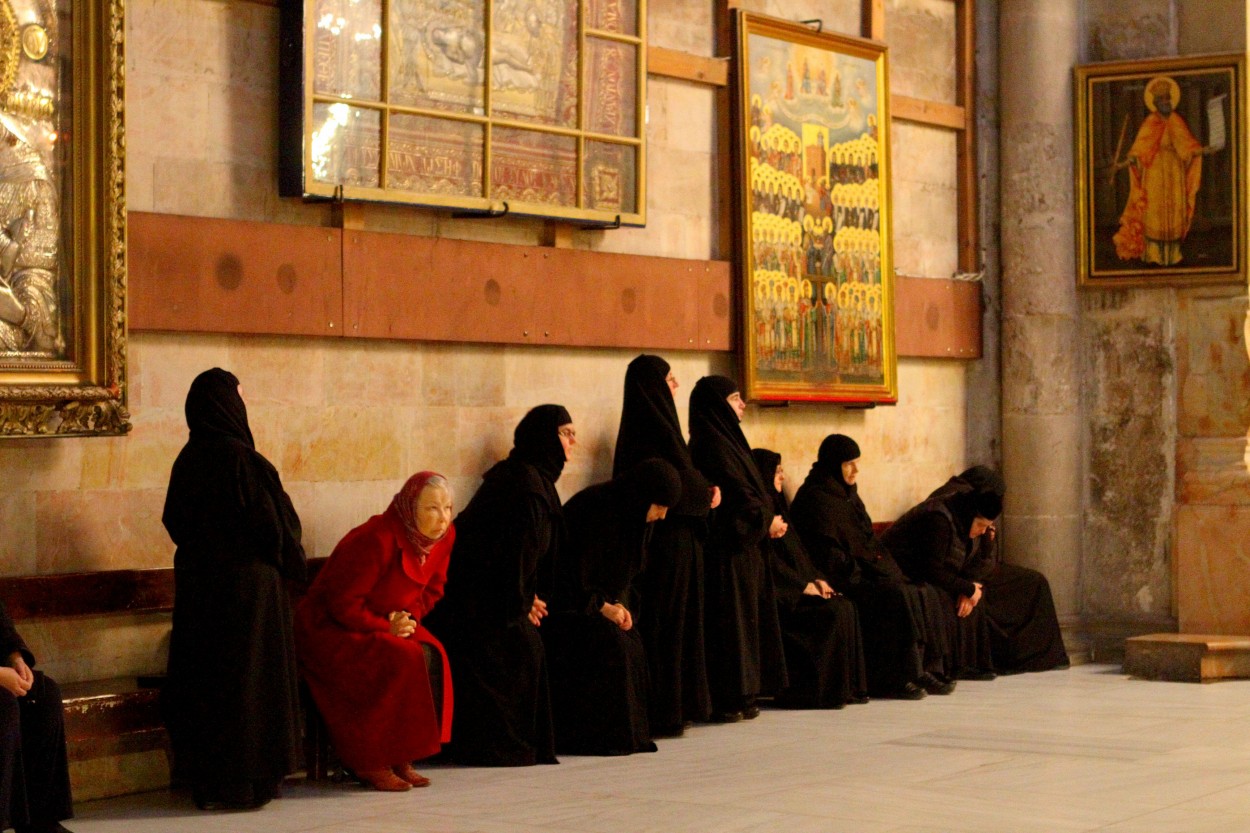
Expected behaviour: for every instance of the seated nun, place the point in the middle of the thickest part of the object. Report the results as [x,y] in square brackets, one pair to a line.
[950,540]
[824,656]
[361,644]
[597,662]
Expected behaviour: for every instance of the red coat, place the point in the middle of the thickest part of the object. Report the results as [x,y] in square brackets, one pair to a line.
[371,687]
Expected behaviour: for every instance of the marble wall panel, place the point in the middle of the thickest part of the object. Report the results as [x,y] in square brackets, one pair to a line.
[18,543]
[1212,364]
[686,25]
[103,529]
[1211,26]
[1213,569]
[921,34]
[345,442]
[99,647]
[1120,30]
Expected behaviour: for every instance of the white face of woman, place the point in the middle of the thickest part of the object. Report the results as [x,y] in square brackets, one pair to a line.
[779,479]
[568,439]
[656,513]
[735,401]
[850,471]
[434,512]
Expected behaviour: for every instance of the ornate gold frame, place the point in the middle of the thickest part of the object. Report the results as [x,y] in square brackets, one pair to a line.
[1106,128]
[296,124]
[802,385]
[85,395]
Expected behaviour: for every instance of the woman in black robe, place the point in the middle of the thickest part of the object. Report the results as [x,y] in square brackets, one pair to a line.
[597,660]
[951,539]
[489,616]
[34,767]
[230,699]
[669,591]
[904,639]
[743,634]
[824,655]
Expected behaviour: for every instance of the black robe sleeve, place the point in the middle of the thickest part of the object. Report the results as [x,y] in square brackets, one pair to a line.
[936,541]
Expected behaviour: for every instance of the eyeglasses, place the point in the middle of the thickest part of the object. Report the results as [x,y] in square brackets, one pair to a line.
[567,433]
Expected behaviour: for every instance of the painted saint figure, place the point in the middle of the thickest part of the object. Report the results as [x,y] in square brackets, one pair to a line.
[1165,172]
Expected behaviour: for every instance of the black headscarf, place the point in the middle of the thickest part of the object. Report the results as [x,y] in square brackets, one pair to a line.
[537,440]
[835,450]
[649,423]
[215,408]
[717,443]
[767,461]
[976,493]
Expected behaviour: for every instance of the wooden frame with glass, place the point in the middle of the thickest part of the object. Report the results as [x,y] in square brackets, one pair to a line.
[817,280]
[533,107]
[62,219]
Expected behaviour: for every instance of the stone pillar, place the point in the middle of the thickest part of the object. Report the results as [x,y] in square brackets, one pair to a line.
[1042,433]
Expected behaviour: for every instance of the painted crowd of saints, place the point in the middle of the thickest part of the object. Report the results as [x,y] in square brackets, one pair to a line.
[438,62]
[815,216]
[34,291]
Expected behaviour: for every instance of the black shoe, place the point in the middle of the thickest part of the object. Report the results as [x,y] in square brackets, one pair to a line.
[933,685]
[751,712]
[910,691]
[976,674]
[726,717]
[858,699]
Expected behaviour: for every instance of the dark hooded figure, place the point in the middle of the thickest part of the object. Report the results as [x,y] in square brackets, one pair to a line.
[903,632]
[34,768]
[230,700]
[596,656]
[951,539]
[819,627]
[488,619]
[668,593]
[744,636]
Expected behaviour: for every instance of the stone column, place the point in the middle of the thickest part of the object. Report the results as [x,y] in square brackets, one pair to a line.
[1042,435]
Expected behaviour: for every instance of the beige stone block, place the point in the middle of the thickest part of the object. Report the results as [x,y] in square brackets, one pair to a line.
[17,544]
[328,511]
[37,465]
[1042,464]
[432,441]
[1050,544]
[484,437]
[177,37]
[689,117]
[921,34]
[1039,356]
[926,230]
[1213,569]
[686,25]
[133,772]
[1042,40]
[140,460]
[1039,277]
[577,379]
[140,181]
[1125,29]
[341,443]
[387,373]
[468,375]
[1211,26]
[242,126]
[86,530]
[99,647]
[680,181]
[919,153]
[400,219]
[167,116]
[1212,471]
[282,371]
[250,47]
[519,231]
[837,17]
[168,363]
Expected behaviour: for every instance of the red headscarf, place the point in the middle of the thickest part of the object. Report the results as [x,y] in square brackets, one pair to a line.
[404,504]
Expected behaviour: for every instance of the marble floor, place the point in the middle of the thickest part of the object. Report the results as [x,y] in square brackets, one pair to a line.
[1061,752]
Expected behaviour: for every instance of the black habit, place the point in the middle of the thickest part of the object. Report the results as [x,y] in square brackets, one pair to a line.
[902,634]
[230,700]
[1020,630]
[34,769]
[824,654]
[669,591]
[513,526]
[599,670]
[743,632]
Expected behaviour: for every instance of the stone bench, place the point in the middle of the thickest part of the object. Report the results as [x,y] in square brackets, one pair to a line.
[1188,658]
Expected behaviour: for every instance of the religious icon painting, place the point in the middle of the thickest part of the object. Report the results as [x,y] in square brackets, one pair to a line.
[62,219]
[817,282]
[1160,169]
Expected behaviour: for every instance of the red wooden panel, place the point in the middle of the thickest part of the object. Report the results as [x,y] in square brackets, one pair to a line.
[938,318]
[716,306]
[195,274]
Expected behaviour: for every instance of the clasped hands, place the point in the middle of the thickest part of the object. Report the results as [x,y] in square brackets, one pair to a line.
[16,677]
[967,603]
[402,623]
[819,587]
[618,614]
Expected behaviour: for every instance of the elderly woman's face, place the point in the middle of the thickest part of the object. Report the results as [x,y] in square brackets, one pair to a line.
[434,512]
[850,471]
[568,439]
[779,479]
[735,401]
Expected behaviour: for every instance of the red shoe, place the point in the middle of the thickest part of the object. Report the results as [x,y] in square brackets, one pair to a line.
[410,775]
[384,780]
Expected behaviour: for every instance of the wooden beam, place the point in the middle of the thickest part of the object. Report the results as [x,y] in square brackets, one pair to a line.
[684,66]
[872,19]
[969,221]
[932,113]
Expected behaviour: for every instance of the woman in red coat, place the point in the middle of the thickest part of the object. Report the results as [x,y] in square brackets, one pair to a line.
[358,636]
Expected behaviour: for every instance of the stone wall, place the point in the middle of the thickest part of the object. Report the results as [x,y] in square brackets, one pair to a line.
[345,421]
